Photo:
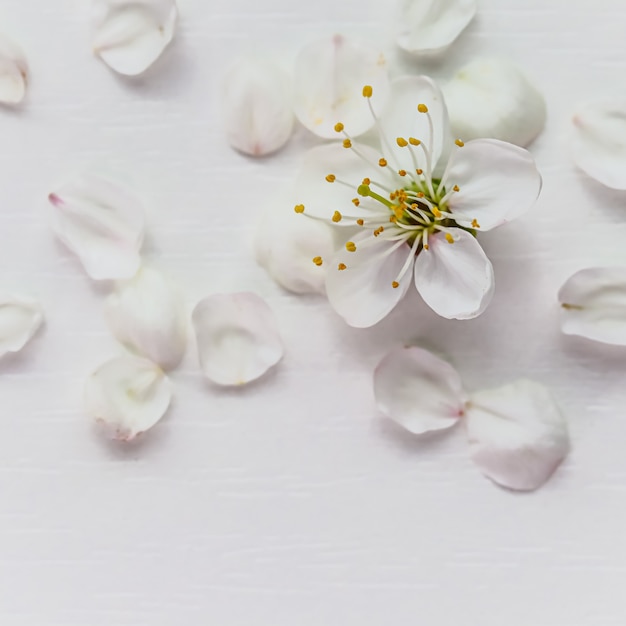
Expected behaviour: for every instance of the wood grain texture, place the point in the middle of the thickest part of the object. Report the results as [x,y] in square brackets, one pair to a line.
[292,501]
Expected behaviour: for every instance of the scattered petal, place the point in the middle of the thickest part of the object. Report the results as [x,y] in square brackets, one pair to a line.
[493,98]
[127,395]
[430,26]
[257,108]
[599,142]
[102,223]
[13,72]
[329,78]
[238,338]
[418,390]
[517,434]
[593,302]
[147,314]
[130,35]
[20,318]
[454,279]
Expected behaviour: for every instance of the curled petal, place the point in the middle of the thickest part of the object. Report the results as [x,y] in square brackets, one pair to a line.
[599,142]
[102,223]
[430,26]
[418,390]
[497,182]
[147,314]
[238,338]
[130,35]
[127,395]
[13,72]
[328,87]
[256,104]
[454,279]
[493,98]
[20,318]
[517,434]
[362,292]
[593,303]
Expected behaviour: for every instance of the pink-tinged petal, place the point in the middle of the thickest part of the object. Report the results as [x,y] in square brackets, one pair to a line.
[593,305]
[497,182]
[363,293]
[328,85]
[418,390]
[454,279]
[13,72]
[517,434]
[237,336]
[20,318]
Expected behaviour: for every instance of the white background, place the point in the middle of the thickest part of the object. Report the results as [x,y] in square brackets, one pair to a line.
[292,502]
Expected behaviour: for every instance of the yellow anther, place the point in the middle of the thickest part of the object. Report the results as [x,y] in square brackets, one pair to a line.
[382,162]
[402,172]
[356,201]
[398,212]
[317,260]
[422,108]
[414,142]
[338,127]
[347,143]
[378,231]
[360,222]
[393,219]
[449,238]
[331,178]
[367,91]
[459,143]
[351,246]
[475,224]
[336,217]
[420,194]
[426,246]
[436,212]
[402,142]
[395,284]
[419,172]
[456,188]
[341,267]
[366,181]
[299,208]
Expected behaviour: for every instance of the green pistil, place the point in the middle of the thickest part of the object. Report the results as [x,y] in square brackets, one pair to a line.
[365,191]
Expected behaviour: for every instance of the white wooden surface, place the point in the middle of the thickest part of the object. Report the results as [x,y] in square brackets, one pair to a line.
[291,502]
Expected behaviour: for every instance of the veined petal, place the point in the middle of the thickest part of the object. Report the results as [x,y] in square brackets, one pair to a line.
[454,279]
[517,434]
[498,182]
[127,395]
[328,85]
[238,338]
[257,108]
[130,35]
[363,293]
[594,304]
[147,314]
[493,98]
[102,223]
[430,26]
[418,390]
[599,141]
[400,118]
[20,318]
[13,72]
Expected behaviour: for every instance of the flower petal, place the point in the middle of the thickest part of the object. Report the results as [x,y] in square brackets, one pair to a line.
[127,395]
[328,86]
[498,182]
[20,318]
[256,104]
[418,390]
[238,338]
[401,118]
[599,142]
[517,434]
[455,280]
[493,98]
[430,26]
[13,72]
[102,223]
[362,293]
[594,304]
[130,35]
[147,314]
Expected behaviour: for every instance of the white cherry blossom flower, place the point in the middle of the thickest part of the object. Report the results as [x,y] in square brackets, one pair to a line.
[13,72]
[418,217]
[20,318]
[517,434]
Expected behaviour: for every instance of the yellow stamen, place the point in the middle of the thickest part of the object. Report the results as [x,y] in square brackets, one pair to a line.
[338,127]
[341,266]
[351,246]
[436,212]
[402,142]
[459,143]
[331,178]
[337,217]
[356,201]
[318,260]
[367,91]
[393,219]
[414,142]
[299,208]
[475,224]
[419,172]
[366,181]
[398,212]
[455,188]
[402,172]
[395,284]
[382,162]
[449,238]
[347,143]
[426,246]
[360,222]
[422,108]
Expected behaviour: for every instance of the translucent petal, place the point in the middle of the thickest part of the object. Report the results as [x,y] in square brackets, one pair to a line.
[127,395]
[517,434]
[598,141]
[328,85]
[101,222]
[238,338]
[418,390]
[493,98]
[20,318]
[147,314]
[594,304]
[130,35]
[257,107]
[13,72]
